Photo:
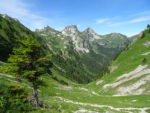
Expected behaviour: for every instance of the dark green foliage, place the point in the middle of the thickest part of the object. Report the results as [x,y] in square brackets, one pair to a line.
[144,61]
[145,32]
[59,80]
[27,61]
[148,26]
[143,35]
[14,99]
[11,30]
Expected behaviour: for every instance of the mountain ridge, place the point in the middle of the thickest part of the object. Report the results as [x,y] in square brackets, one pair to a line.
[86,45]
[88,53]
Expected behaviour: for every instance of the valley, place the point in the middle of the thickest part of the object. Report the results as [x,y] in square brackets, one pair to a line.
[91,73]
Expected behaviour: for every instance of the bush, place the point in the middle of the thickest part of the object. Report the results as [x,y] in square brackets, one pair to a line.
[144,61]
[13,99]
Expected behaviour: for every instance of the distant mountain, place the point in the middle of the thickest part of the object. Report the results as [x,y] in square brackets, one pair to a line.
[82,56]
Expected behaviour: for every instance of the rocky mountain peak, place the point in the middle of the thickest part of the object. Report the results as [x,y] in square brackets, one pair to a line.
[91,34]
[72,29]
[89,30]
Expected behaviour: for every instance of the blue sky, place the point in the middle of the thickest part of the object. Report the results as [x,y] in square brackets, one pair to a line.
[104,16]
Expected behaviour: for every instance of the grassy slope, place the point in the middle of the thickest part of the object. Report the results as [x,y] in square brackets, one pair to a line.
[54,90]
[126,62]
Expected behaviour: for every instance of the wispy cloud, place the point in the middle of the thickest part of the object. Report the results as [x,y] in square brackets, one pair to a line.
[136,20]
[102,20]
[140,19]
[142,13]
[21,10]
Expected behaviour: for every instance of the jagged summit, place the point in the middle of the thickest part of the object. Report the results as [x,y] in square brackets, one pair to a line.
[72,29]
[89,30]
[91,34]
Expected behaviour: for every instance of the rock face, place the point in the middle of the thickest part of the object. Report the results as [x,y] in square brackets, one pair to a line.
[91,34]
[70,30]
[87,51]
[80,43]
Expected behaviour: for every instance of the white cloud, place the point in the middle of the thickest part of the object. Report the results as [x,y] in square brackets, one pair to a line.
[142,13]
[140,19]
[136,20]
[21,10]
[102,20]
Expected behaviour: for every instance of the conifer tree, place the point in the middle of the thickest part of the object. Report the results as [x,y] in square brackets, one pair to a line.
[28,61]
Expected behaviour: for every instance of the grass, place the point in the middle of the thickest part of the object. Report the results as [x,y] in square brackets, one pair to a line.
[126,62]
[50,93]
[78,95]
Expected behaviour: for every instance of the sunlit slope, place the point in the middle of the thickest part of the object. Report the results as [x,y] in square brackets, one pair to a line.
[130,72]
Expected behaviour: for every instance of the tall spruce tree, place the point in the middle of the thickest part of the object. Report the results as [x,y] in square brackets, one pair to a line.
[29,62]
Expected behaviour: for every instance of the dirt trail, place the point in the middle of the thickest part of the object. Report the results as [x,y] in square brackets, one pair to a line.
[141,110]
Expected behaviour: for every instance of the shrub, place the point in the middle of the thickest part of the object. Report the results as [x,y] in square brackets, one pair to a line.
[14,99]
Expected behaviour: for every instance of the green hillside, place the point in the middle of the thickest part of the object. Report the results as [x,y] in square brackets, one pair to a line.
[125,88]
[11,30]
[131,67]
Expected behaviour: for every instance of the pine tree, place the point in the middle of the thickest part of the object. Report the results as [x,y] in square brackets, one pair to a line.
[148,26]
[29,62]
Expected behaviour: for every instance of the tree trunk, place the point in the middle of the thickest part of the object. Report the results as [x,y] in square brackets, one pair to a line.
[35,96]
